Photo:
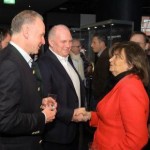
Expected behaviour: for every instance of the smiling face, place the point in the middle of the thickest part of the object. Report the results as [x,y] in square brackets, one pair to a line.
[118,63]
[61,41]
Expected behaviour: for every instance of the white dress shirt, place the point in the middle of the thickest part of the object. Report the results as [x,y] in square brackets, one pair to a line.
[24,54]
[72,74]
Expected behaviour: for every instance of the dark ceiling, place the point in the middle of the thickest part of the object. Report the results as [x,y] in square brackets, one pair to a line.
[7,12]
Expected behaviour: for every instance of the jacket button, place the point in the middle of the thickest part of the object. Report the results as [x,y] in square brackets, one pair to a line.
[40,141]
[33,71]
[38,89]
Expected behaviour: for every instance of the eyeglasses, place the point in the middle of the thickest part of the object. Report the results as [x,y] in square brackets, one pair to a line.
[140,43]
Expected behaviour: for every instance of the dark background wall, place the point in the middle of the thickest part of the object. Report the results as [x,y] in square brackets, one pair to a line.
[129,10]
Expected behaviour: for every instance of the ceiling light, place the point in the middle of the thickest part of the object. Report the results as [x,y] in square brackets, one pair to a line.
[62,8]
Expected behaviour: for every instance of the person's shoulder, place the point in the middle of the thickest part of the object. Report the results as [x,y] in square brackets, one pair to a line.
[131,82]
[105,52]
[4,54]
[45,58]
[44,55]
[6,61]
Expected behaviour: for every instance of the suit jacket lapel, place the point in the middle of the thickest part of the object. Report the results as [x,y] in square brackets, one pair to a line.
[60,68]
[18,57]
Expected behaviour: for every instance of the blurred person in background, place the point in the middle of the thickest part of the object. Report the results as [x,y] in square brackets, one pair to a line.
[140,38]
[5,37]
[101,75]
[82,65]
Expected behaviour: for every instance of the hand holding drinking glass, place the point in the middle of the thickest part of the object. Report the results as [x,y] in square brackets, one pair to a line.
[50,102]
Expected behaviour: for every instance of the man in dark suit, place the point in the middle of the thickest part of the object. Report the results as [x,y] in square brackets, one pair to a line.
[101,74]
[21,119]
[61,78]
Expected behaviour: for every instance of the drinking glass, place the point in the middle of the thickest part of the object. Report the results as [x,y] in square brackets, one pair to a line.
[54,96]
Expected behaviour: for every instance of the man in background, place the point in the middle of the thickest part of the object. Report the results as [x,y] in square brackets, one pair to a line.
[140,38]
[4,37]
[82,65]
[76,58]
[101,74]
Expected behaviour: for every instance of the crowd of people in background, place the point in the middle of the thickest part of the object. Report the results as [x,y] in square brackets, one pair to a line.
[116,112]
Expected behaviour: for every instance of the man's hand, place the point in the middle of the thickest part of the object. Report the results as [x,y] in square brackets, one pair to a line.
[49,106]
[49,102]
[81,115]
[49,114]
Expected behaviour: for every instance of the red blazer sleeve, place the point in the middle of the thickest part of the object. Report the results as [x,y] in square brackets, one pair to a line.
[94,119]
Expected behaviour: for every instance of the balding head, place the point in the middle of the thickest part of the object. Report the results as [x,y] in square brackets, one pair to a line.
[60,40]
[140,38]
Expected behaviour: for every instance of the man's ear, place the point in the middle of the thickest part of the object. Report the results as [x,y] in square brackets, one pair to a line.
[51,42]
[25,31]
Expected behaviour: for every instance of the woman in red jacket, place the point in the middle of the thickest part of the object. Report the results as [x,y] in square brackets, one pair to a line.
[121,116]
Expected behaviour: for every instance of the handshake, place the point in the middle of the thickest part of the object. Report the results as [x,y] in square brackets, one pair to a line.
[49,109]
[81,115]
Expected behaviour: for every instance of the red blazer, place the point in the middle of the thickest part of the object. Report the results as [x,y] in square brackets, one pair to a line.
[121,117]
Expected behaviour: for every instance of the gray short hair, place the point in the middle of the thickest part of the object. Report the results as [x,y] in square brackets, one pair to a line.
[24,17]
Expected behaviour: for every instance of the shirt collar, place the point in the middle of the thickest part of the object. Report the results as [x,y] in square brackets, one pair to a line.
[60,58]
[100,52]
[25,55]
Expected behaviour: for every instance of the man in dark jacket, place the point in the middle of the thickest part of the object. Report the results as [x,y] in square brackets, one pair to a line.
[101,74]
[21,119]
[61,78]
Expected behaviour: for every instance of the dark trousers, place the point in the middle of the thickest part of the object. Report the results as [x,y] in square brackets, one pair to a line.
[20,143]
[77,144]
[57,146]
[74,145]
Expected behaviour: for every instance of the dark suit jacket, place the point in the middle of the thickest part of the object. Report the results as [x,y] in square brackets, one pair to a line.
[57,81]
[21,120]
[101,75]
